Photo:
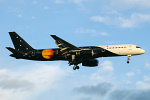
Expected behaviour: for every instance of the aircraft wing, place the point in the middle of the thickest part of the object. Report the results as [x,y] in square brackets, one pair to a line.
[64,45]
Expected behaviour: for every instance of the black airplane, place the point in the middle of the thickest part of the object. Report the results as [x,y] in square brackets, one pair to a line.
[68,52]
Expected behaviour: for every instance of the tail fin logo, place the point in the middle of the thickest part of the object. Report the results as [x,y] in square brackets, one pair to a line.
[19,43]
[47,53]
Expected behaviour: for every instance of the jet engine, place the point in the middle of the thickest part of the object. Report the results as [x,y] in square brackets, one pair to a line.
[85,53]
[90,63]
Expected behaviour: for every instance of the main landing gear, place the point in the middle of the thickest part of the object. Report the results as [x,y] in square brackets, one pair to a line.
[74,62]
[128,59]
[76,67]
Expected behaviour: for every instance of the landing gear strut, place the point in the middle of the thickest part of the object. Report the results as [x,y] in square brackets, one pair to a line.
[74,62]
[76,67]
[128,59]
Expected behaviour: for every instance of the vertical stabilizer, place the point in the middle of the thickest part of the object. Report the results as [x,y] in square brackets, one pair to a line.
[19,43]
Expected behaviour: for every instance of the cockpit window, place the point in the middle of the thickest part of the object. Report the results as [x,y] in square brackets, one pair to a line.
[138,47]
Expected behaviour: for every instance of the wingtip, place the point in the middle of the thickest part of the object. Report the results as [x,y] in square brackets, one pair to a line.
[52,35]
[7,47]
[12,32]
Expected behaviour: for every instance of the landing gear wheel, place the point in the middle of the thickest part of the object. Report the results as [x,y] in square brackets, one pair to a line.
[77,67]
[128,62]
[74,68]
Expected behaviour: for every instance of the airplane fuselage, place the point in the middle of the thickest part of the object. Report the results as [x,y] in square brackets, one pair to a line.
[88,52]
[68,52]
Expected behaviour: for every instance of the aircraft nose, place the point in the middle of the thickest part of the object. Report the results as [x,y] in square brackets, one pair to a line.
[143,51]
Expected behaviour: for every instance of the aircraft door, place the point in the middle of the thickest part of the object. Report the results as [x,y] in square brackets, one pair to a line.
[56,51]
[130,47]
[103,50]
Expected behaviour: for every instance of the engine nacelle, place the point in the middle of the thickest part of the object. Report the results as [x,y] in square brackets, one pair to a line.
[90,63]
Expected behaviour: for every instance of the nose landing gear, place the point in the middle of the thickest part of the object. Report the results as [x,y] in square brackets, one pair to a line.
[128,59]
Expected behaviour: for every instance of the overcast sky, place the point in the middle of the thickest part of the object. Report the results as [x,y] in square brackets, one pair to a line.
[82,23]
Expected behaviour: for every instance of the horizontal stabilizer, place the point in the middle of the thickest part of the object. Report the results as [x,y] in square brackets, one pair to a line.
[14,51]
